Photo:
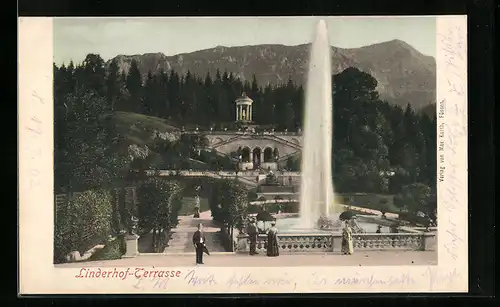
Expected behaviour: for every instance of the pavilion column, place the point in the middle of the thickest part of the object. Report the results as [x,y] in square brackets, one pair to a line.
[250,112]
[237,112]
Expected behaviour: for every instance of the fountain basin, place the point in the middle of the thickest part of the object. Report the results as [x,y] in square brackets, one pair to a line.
[291,225]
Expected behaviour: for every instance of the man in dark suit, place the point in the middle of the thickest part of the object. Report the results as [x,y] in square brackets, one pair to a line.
[199,244]
[253,234]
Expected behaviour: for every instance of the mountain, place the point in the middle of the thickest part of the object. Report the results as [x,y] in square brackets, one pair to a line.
[404,75]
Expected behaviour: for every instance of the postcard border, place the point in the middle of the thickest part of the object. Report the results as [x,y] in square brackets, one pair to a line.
[38,275]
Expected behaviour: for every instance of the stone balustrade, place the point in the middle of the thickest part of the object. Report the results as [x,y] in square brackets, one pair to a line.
[332,242]
[232,131]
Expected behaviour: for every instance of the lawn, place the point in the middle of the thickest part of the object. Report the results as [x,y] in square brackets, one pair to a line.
[138,128]
[370,201]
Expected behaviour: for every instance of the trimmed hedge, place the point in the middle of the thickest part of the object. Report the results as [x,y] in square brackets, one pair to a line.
[288,207]
[82,222]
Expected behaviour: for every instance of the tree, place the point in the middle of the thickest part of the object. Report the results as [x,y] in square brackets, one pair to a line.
[158,202]
[254,89]
[235,205]
[354,84]
[370,136]
[207,108]
[113,84]
[173,94]
[134,87]
[190,144]
[229,203]
[148,102]
[188,97]
[95,74]
[87,153]
[414,198]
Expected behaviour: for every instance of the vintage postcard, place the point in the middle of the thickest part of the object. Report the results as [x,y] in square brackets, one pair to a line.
[243,155]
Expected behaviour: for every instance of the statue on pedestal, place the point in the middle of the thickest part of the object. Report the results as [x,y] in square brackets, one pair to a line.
[325,223]
[132,226]
[197,203]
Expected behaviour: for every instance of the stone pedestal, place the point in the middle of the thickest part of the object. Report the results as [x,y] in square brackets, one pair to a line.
[430,241]
[242,243]
[132,246]
[337,243]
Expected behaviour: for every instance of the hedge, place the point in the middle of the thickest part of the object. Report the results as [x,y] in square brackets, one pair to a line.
[288,207]
[82,222]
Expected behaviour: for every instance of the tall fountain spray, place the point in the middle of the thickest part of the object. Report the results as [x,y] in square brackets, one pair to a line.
[316,192]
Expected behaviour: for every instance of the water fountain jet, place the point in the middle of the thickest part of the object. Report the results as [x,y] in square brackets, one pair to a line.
[316,192]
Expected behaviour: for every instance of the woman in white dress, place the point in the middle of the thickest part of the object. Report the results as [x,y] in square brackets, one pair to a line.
[347,246]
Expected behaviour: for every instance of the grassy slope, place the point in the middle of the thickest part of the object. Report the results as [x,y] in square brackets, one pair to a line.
[370,201]
[138,128]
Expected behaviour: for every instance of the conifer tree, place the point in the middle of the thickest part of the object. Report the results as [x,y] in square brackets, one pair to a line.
[113,84]
[148,100]
[134,87]
[95,74]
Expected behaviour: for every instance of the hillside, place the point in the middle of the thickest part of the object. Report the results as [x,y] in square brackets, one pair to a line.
[141,129]
[404,74]
[141,133]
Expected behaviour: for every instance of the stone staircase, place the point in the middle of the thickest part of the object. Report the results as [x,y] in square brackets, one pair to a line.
[213,242]
[179,243]
[181,239]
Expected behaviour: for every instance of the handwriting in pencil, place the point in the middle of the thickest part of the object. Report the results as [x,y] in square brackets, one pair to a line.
[35,95]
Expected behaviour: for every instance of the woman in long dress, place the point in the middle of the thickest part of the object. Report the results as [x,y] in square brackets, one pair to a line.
[272,241]
[347,247]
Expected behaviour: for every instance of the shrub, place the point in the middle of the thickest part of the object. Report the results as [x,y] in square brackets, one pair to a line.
[83,222]
[113,250]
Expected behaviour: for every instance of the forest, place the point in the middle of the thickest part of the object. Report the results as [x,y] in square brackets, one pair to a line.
[377,147]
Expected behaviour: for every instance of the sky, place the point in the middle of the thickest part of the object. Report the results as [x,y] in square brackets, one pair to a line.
[74,37]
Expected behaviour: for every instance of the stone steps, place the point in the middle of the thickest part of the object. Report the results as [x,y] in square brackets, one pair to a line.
[181,237]
[181,242]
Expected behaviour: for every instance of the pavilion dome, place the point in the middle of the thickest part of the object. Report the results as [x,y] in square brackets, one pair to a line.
[244,99]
